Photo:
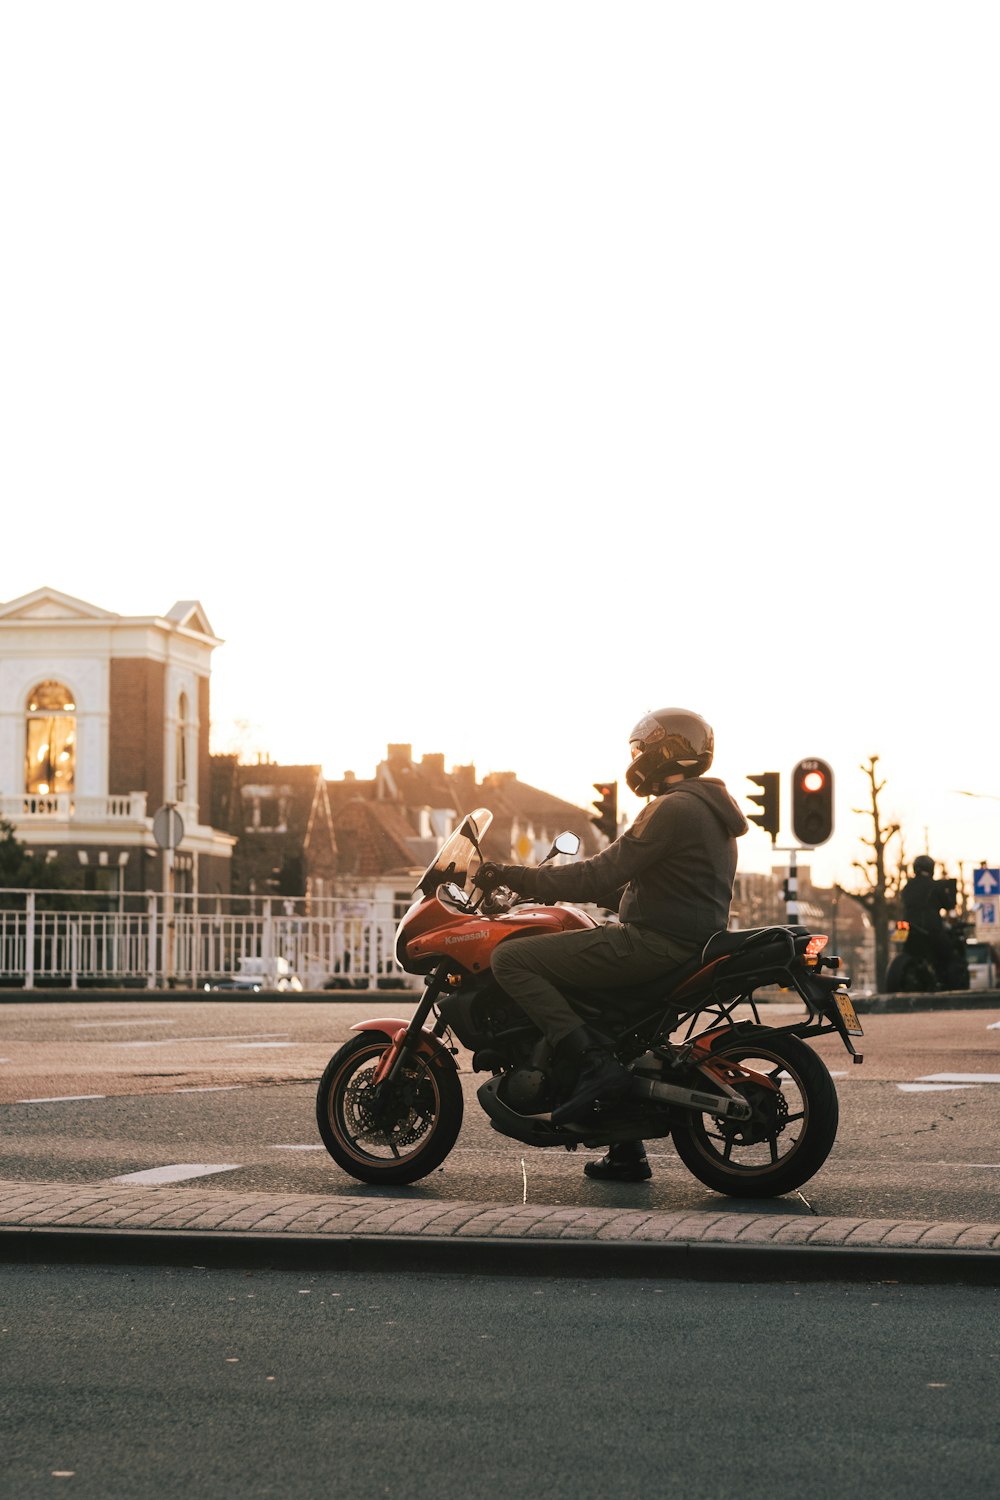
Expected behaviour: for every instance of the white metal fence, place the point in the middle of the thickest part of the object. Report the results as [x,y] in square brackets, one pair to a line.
[163,944]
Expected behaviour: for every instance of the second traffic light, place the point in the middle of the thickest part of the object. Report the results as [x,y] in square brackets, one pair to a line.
[767,800]
[607,809]
[812,802]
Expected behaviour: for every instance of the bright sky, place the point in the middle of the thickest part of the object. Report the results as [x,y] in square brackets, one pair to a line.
[494,373]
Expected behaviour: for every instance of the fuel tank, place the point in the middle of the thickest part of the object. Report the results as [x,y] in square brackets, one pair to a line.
[469,938]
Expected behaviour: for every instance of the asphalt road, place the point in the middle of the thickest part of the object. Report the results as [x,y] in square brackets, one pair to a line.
[222,1094]
[161,1383]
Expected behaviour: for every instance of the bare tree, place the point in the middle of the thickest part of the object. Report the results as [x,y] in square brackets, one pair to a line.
[882,886]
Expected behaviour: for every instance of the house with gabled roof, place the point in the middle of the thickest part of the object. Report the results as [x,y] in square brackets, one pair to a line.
[281,817]
[527,819]
[104,719]
[388,829]
[429,802]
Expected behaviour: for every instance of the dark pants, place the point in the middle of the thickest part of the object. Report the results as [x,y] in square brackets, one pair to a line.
[532,969]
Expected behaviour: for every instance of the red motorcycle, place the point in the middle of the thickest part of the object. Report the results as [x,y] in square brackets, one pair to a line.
[752,1109]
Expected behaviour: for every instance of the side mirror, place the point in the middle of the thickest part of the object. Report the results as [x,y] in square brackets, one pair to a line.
[567,843]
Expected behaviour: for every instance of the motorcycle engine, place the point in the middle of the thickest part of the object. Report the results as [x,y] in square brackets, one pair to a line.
[526,1090]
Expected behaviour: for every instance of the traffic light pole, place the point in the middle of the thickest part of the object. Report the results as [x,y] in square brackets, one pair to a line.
[792,891]
[792,883]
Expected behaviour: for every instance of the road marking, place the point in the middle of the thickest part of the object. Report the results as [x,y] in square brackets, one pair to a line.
[210,1088]
[959,1078]
[249,1046]
[233,1036]
[59,1098]
[179,1172]
[929,1088]
[147,1021]
[298,1148]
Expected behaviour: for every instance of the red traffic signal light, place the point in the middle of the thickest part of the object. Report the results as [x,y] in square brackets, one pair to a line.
[767,800]
[606,821]
[812,802]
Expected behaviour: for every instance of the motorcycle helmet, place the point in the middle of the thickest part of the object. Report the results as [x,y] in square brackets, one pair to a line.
[668,742]
[923,865]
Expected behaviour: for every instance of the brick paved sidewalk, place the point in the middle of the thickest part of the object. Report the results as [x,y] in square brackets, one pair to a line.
[48,1207]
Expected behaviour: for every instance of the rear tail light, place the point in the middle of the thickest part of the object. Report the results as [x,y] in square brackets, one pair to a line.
[814,948]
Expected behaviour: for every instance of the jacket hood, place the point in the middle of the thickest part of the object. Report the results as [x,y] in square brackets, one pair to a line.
[709,789]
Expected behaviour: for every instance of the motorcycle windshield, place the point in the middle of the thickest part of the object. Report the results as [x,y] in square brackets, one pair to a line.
[460,855]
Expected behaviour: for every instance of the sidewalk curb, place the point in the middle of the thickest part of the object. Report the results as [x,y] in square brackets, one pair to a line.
[476,1256]
[870,1005]
[171,1225]
[888,1005]
[385,998]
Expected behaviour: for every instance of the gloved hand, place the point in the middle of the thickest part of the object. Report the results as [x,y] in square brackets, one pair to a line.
[489,876]
[514,877]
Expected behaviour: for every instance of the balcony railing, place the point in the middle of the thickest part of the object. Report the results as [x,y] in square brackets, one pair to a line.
[70,807]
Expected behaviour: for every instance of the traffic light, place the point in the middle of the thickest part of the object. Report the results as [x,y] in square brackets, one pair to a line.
[767,800]
[606,821]
[812,802]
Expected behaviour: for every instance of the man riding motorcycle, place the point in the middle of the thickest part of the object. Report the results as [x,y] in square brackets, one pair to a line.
[672,872]
[930,938]
[923,897]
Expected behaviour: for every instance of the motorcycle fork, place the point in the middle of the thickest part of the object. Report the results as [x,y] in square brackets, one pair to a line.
[403,1043]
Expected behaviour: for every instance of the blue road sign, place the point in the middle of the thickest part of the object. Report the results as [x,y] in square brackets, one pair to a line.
[986,882]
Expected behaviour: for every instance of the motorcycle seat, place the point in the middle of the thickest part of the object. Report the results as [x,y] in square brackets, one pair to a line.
[722,943]
[631,997]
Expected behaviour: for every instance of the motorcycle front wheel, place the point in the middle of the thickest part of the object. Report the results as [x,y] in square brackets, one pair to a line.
[398,1133]
[788,1137]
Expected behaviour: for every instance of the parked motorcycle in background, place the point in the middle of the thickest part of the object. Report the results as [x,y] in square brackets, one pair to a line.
[751,1108]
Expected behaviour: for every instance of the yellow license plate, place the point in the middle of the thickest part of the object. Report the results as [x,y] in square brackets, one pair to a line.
[848,1014]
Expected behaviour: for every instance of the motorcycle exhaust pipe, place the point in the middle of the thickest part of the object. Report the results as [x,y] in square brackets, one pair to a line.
[651,1092]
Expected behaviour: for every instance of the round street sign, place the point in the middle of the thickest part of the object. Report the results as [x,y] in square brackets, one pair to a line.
[168,827]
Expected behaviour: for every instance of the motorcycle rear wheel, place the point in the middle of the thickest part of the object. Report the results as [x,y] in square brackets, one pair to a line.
[911,976]
[396,1140]
[790,1134]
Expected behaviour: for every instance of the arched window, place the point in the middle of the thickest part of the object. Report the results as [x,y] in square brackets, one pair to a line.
[50,757]
[181,759]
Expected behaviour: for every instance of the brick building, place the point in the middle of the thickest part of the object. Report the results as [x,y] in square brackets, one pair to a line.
[280,816]
[104,718]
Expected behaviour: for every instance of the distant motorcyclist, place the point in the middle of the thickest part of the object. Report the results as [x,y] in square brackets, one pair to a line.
[924,898]
[677,864]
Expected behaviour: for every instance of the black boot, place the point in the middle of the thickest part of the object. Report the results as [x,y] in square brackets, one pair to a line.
[625,1162]
[600,1076]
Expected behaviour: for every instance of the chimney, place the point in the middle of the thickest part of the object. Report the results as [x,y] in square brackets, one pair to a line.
[349,776]
[400,754]
[433,763]
[464,778]
[499,778]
